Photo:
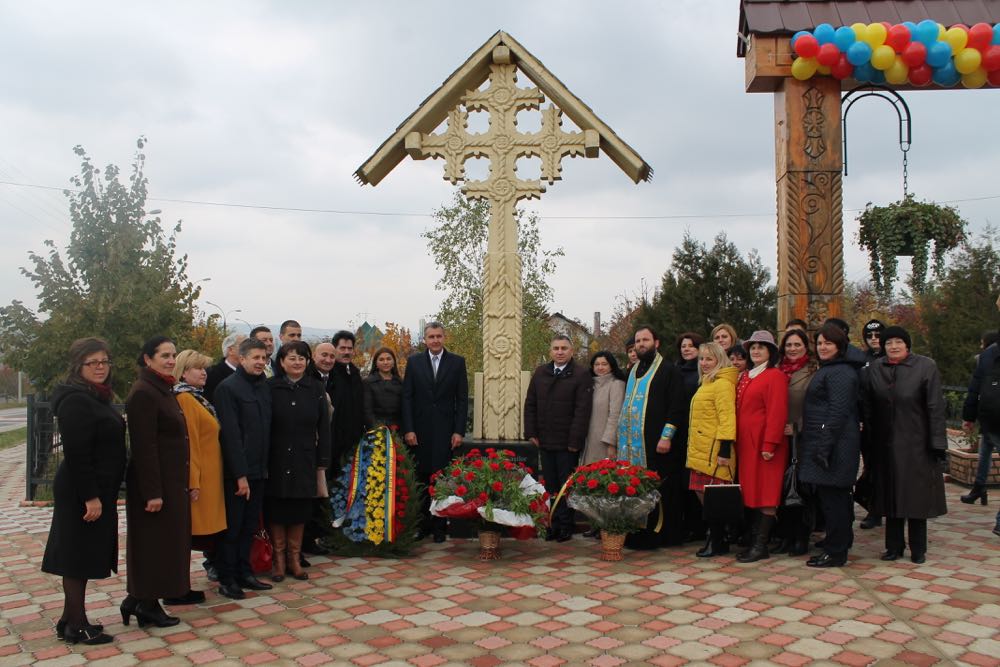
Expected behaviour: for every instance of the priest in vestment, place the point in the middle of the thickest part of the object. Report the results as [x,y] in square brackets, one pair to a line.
[652,432]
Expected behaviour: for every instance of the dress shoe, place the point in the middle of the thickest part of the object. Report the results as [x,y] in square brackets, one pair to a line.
[149,612]
[593,532]
[253,583]
[799,547]
[918,558]
[191,597]
[564,536]
[231,591]
[439,538]
[314,548]
[211,572]
[996,530]
[303,562]
[827,560]
[871,521]
[89,635]
[420,534]
[128,607]
[551,535]
[891,554]
[61,628]
[784,546]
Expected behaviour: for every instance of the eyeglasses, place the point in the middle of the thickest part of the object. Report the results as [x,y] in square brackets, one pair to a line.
[98,363]
[872,334]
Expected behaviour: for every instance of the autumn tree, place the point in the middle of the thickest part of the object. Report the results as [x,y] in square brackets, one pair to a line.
[706,286]
[119,278]
[458,245]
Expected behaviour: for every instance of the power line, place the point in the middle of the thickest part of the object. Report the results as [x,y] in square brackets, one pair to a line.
[294,209]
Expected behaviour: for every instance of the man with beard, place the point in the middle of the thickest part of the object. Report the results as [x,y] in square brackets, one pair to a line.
[652,432]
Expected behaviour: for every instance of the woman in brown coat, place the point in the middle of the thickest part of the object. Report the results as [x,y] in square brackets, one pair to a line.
[157,505]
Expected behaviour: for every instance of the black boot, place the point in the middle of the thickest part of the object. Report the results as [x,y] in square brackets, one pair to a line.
[717,543]
[706,550]
[749,536]
[977,492]
[759,549]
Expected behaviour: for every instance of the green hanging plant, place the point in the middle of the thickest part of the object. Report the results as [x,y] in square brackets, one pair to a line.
[907,228]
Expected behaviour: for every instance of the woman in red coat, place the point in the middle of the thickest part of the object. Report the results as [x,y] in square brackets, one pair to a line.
[761,413]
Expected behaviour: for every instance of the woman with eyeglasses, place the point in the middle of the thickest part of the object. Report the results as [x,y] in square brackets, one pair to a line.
[83,539]
[298,458]
[904,415]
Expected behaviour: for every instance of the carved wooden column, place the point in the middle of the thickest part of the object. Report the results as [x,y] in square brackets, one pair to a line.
[808,165]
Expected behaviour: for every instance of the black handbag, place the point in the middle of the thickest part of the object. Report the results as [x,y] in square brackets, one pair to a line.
[722,503]
[791,495]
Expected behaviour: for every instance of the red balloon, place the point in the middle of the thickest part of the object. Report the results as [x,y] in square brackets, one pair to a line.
[993,77]
[842,69]
[914,54]
[980,36]
[899,36]
[991,58]
[886,24]
[964,27]
[829,54]
[807,46]
[921,75]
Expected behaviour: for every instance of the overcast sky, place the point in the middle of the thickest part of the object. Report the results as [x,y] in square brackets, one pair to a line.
[276,104]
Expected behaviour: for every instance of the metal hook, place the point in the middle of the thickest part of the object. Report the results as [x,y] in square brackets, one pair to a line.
[902,111]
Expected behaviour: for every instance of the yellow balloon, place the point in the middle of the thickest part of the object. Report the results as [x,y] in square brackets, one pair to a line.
[859,30]
[898,73]
[804,68]
[823,69]
[883,57]
[956,38]
[875,34]
[968,61]
[941,31]
[975,79]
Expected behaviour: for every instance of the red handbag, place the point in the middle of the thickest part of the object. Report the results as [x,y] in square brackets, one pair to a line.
[261,550]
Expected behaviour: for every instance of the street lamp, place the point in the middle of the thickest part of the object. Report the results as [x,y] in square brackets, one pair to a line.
[225,314]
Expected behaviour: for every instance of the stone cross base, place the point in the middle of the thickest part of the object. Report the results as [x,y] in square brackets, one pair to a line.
[479,404]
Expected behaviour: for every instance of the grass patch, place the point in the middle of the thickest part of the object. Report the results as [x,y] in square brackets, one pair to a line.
[13,404]
[15,437]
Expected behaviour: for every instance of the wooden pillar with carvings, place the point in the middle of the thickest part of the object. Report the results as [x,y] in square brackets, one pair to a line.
[808,161]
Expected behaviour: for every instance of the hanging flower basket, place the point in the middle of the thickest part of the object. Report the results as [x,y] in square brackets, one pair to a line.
[906,229]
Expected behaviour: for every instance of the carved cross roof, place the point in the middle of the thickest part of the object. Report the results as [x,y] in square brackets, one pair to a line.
[469,77]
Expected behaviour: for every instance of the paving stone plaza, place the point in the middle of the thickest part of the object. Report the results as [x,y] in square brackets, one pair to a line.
[544,604]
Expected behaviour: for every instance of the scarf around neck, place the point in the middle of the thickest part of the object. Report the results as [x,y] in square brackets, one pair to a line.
[185,388]
[789,367]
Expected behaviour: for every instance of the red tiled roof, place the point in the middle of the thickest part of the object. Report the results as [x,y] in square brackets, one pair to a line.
[781,17]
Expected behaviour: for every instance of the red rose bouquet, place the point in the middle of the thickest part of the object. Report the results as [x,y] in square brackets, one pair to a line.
[616,496]
[491,487]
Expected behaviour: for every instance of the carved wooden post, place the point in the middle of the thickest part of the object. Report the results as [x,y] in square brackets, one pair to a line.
[808,164]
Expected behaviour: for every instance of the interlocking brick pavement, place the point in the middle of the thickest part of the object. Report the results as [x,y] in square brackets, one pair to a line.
[543,604]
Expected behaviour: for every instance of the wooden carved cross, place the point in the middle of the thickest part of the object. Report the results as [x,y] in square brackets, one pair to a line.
[502,145]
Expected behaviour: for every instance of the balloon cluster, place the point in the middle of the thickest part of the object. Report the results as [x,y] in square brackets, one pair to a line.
[915,53]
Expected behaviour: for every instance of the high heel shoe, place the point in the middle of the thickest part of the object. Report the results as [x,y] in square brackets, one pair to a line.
[128,607]
[977,492]
[151,613]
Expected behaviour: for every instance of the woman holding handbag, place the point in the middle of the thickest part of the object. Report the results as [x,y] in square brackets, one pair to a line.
[830,446]
[711,433]
[795,520]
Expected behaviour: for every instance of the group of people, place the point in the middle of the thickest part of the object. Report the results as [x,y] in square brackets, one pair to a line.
[789,421]
[218,451]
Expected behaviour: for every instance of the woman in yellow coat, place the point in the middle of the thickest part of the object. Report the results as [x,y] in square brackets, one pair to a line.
[208,508]
[711,457]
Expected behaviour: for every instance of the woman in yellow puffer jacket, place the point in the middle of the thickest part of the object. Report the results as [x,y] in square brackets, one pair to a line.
[712,430]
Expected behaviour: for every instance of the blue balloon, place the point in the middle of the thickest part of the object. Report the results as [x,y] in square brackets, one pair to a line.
[824,33]
[844,37]
[912,27]
[864,72]
[927,32]
[860,53]
[797,35]
[946,75]
[996,34]
[878,76]
[938,54]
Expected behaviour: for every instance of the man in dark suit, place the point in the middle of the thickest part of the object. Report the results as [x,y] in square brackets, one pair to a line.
[347,395]
[227,365]
[435,411]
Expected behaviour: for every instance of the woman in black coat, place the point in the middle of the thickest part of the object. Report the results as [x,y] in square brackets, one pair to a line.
[298,458]
[383,391]
[83,539]
[830,443]
[904,414]
[157,500]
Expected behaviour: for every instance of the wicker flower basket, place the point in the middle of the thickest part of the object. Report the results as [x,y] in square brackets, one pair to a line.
[489,545]
[611,546]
